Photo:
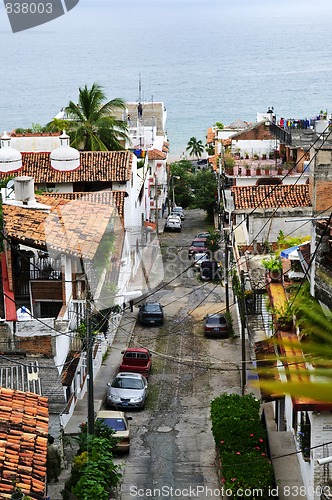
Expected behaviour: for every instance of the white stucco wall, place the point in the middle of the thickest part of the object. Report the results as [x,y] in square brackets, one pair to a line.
[35,143]
[254,146]
[265,226]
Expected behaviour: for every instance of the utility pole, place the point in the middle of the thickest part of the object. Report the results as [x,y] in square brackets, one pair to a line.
[156,202]
[226,270]
[91,409]
[89,353]
[243,334]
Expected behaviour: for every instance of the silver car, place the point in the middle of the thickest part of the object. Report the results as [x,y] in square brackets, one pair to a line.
[128,390]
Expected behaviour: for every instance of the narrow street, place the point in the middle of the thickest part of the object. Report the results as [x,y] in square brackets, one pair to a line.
[172,450]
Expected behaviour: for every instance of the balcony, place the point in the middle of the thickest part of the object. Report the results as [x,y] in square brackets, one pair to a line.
[261,168]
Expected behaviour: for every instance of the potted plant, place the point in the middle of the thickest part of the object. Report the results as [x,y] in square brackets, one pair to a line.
[273,265]
[266,168]
[284,316]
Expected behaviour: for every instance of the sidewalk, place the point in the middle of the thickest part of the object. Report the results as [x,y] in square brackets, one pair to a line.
[106,373]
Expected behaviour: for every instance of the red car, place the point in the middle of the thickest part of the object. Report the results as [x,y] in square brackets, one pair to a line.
[137,360]
[198,245]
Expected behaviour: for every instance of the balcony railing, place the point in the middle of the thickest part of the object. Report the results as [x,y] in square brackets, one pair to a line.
[260,168]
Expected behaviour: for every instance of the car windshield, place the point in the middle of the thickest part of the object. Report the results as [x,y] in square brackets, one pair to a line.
[151,308]
[198,244]
[136,355]
[128,383]
[201,256]
[118,424]
[215,320]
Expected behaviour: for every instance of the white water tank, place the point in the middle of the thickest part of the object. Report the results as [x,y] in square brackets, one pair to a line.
[24,189]
[321,127]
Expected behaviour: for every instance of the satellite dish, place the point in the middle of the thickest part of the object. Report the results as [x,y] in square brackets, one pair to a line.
[10,192]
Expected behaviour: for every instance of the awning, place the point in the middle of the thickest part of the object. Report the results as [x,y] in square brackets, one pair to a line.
[286,253]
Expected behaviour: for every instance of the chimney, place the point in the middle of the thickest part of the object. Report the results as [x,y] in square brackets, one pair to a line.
[24,187]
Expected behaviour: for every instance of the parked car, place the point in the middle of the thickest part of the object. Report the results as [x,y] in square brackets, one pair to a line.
[202,161]
[175,214]
[216,326]
[205,234]
[198,245]
[137,360]
[199,258]
[179,211]
[173,223]
[211,270]
[151,313]
[119,422]
[128,390]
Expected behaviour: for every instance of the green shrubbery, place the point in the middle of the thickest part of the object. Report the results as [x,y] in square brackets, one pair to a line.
[93,472]
[240,439]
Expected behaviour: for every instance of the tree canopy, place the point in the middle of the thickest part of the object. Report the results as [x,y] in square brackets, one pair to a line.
[93,125]
[205,186]
[181,181]
[195,147]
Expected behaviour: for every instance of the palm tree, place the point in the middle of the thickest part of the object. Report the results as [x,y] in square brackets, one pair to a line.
[195,147]
[93,126]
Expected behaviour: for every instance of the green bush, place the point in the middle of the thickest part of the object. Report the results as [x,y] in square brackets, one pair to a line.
[240,439]
[93,473]
[247,471]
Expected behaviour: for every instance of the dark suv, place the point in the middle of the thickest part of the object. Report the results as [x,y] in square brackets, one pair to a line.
[211,270]
[151,313]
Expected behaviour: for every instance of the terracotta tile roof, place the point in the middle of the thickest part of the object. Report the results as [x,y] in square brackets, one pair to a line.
[166,146]
[210,135]
[291,196]
[111,198]
[213,160]
[35,134]
[155,154]
[23,442]
[72,226]
[95,166]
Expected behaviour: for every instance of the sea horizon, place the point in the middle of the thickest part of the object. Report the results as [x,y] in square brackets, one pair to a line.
[207,60]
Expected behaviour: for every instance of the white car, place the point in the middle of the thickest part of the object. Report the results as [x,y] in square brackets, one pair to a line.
[173,224]
[179,211]
[174,214]
[199,258]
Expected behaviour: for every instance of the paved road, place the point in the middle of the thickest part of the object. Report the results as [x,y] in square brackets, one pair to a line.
[172,448]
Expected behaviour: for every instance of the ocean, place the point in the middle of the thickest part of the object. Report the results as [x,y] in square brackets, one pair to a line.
[207,60]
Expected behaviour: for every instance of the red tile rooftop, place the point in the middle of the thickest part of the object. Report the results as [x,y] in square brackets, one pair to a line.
[72,226]
[265,196]
[96,166]
[155,154]
[23,442]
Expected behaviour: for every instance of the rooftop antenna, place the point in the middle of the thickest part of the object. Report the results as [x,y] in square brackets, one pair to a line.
[140,111]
